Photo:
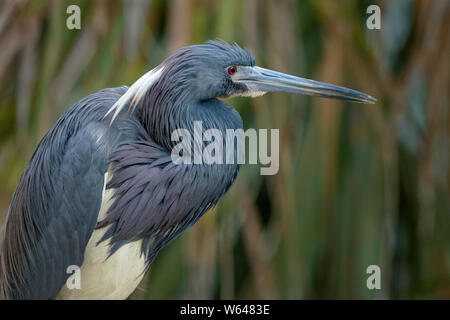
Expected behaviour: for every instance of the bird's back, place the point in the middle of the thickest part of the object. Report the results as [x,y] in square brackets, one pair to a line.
[56,204]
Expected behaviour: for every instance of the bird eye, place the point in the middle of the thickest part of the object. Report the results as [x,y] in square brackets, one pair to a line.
[232,70]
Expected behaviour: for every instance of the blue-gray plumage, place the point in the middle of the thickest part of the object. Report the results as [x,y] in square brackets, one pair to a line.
[56,209]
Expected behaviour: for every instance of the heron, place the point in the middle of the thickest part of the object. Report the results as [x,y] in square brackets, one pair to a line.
[101,191]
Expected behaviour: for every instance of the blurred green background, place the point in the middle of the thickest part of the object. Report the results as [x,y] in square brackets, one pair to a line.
[358,184]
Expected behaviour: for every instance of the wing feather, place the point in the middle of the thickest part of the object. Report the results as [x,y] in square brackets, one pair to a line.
[56,204]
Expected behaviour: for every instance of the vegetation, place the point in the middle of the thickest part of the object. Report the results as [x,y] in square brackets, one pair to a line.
[358,185]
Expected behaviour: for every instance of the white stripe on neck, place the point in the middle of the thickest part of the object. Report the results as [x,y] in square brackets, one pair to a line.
[136,92]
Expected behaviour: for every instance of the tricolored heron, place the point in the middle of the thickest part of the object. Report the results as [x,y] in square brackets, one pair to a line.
[101,190]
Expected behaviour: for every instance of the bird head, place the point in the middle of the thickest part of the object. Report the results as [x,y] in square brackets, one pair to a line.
[218,69]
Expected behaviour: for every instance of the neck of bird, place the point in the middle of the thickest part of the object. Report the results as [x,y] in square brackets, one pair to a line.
[164,112]
[189,190]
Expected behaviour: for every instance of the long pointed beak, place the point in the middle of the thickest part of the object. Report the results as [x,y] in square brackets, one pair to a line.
[264,80]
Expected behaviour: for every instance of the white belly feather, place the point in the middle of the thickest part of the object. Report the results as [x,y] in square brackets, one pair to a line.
[113,278]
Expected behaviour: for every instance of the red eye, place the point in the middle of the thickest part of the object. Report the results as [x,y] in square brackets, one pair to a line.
[232,70]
